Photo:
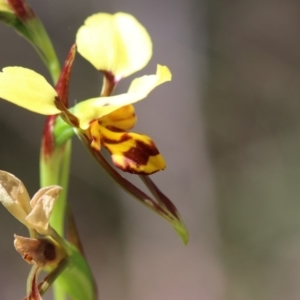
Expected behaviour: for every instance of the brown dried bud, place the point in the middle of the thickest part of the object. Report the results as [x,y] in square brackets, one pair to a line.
[35,214]
[41,252]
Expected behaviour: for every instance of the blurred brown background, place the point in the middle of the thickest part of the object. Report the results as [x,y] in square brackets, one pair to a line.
[228,126]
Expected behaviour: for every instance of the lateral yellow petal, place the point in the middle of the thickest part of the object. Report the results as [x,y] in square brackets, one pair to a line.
[132,152]
[115,43]
[96,108]
[28,89]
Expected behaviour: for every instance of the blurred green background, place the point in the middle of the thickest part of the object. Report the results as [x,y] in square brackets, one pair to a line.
[228,126]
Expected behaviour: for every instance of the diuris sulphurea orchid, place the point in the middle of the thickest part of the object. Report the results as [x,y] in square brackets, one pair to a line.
[104,120]
[116,45]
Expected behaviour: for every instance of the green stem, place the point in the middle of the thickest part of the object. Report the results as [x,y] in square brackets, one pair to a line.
[41,42]
[62,131]
[54,165]
[54,169]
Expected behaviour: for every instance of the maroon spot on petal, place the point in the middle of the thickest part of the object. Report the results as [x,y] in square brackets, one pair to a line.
[114,129]
[124,137]
[141,152]
[139,156]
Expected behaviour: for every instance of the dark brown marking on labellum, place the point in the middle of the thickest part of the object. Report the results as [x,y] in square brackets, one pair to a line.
[139,156]
[114,129]
[141,152]
[123,138]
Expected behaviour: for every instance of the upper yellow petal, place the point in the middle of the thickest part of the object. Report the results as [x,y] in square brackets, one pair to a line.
[28,89]
[115,43]
[95,108]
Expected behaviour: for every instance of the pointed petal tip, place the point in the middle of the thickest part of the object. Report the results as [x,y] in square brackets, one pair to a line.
[181,230]
[163,73]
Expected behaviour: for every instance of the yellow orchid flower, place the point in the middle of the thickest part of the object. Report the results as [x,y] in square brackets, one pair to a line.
[103,119]
[117,45]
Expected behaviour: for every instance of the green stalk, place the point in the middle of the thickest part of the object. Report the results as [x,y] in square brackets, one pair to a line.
[54,170]
[42,43]
[55,162]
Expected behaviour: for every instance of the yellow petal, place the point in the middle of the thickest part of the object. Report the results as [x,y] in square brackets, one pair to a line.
[5,7]
[96,108]
[115,43]
[132,152]
[123,118]
[94,134]
[28,89]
